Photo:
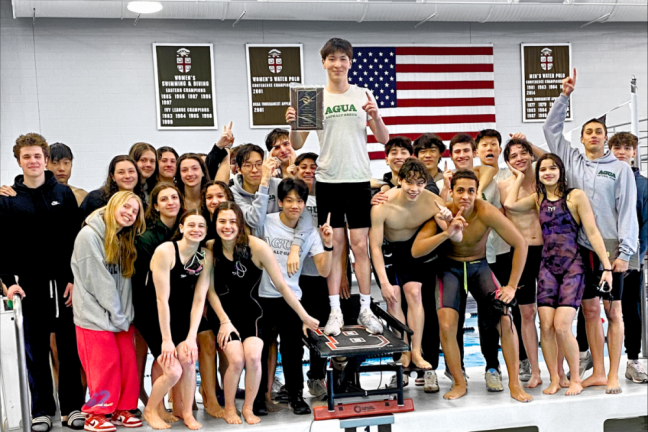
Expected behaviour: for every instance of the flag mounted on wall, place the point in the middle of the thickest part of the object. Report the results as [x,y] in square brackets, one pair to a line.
[420,89]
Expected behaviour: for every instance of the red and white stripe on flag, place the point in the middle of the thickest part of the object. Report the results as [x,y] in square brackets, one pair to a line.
[421,89]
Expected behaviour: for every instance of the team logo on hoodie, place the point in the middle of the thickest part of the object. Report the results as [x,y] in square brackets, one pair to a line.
[606,174]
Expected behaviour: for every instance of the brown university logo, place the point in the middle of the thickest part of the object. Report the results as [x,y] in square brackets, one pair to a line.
[183,61]
[546,59]
[275,63]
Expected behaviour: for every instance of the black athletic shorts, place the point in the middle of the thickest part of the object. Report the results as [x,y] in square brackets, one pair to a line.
[401,266]
[527,292]
[593,272]
[350,202]
[456,278]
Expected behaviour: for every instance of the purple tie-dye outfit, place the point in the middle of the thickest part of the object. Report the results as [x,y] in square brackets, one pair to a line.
[561,281]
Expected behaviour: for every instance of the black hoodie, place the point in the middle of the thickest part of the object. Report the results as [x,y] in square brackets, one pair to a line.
[38,228]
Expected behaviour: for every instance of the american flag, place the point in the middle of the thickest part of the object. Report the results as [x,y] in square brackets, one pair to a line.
[440,89]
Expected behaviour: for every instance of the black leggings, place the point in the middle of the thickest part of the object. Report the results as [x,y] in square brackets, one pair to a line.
[316,302]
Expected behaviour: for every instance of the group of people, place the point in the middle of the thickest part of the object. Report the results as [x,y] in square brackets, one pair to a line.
[209,258]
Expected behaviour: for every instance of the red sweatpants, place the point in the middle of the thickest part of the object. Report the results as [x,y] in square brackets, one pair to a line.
[111,368]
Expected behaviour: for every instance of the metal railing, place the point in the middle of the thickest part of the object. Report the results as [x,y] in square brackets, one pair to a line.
[22,364]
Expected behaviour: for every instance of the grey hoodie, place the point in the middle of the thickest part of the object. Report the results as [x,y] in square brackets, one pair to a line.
[608,182]
[265,201]
[101,296]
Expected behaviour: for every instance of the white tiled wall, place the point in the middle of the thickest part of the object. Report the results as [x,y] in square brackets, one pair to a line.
[89,83]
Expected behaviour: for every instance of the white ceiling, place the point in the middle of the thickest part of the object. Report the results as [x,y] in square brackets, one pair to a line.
[351,10]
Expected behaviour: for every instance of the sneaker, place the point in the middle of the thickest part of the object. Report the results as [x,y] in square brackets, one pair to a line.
[584,365]
[335,323]
[41,424]
[525,370]
[430,382]
[276,385]
[126,419]
[393,383]
[636,372]
[368,320]
[137,412]
[317,387]
[298,404]
[98,423]
[75,420]
[494,380]
[450,377]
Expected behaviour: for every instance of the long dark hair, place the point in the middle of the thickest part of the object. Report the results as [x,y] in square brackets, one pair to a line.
[241,247]
[152,214]
[110,187]
[561,186]
[136,152]
[203,167]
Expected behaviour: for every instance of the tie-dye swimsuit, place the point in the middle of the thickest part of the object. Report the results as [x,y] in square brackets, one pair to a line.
[561,281]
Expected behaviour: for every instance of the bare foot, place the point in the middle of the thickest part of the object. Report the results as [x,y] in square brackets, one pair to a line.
[595,380]
[420,363]
[575,388]
[167,416]
[456,392]
[552,389]
[231,416]
[613,386]
[154,420]
[534,382]
[213,408]
[191,422]
[249,416]
[564,381]
[518,393]
[405,359]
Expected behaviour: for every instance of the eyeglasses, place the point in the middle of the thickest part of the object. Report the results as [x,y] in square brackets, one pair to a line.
[249,166]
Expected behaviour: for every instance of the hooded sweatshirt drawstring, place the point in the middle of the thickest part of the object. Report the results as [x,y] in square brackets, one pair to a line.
[54,294]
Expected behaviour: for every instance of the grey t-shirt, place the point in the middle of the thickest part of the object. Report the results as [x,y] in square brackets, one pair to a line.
[344,157]
[280,238]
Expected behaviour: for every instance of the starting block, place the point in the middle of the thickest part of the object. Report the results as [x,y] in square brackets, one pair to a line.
[345,354]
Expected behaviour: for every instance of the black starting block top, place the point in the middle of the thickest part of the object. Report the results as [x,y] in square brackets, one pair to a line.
[354,341]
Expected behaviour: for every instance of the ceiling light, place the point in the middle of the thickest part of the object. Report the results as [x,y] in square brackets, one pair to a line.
[144,7]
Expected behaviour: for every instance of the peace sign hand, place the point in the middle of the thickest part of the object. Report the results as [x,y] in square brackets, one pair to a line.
[569,84]
[326,232]
[227,138]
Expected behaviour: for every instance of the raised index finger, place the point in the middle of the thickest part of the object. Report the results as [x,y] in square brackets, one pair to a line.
[574,76]
[328,219]
[461,209]
[368,97]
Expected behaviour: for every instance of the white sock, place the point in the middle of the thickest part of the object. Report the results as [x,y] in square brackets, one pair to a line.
[631,362]
[583,355]
[365,301]
[334,301]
